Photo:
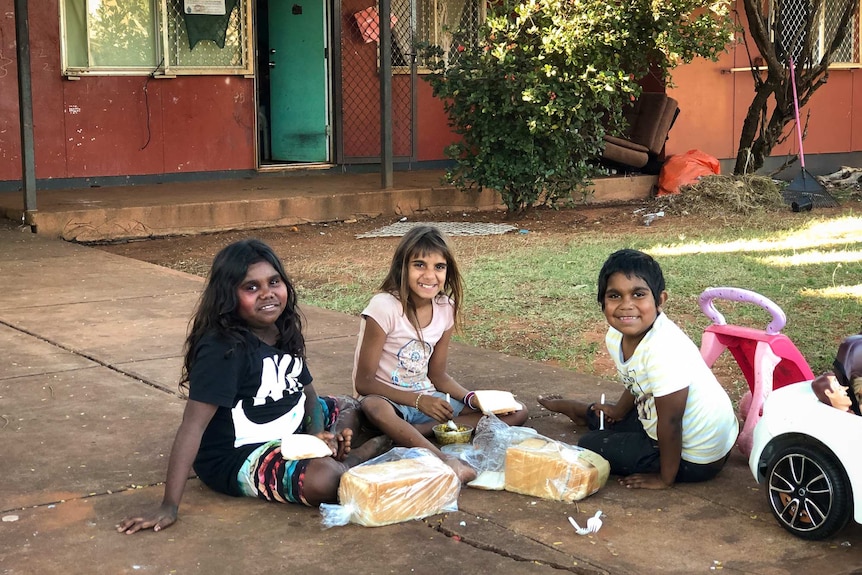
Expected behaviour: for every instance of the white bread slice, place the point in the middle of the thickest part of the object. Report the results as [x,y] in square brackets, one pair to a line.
[303,446]
[490,481]
[495,401]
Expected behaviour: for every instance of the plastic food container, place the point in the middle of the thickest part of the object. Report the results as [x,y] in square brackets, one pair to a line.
[446,436]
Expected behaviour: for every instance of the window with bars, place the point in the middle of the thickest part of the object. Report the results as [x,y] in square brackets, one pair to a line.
[448,24]
[794,22]
[170,37]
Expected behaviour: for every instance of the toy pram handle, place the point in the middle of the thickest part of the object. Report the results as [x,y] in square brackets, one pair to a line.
[741,295]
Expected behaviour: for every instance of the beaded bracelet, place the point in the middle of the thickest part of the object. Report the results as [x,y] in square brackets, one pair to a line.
[468,399]
[418,396]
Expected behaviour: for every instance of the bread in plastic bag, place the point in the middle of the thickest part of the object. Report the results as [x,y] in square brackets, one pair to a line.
[487,453]
[554,470]
[400,485]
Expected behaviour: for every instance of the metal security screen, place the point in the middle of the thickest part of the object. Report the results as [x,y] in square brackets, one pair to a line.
[449,24]
[360,115]
[798,23]
[207,42]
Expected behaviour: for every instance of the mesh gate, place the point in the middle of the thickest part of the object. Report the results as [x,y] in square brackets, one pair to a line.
[443,23]
[360,82]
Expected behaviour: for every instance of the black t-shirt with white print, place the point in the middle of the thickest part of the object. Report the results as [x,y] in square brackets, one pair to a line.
[258,391]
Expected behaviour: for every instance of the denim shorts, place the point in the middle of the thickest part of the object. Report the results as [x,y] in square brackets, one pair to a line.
[415,417]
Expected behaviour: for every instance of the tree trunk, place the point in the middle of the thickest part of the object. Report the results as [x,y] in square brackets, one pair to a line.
[760,135]
[746,160]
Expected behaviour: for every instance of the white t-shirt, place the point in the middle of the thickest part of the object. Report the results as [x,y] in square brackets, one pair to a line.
[665,361]
[404,361]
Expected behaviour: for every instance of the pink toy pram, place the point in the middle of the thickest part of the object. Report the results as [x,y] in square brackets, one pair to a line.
[768,359]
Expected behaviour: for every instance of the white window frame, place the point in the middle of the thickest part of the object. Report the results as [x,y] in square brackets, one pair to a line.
[168,52]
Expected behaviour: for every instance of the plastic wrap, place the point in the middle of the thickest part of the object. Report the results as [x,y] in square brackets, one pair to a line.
[550,469]
[487,454]
[490,442]
[400,485]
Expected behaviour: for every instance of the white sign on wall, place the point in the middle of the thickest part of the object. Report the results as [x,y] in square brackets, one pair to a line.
[212,7]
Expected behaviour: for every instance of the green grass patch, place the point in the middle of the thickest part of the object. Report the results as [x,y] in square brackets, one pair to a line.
[536,297]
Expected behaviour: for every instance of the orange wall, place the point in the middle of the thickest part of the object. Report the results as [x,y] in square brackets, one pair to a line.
[706,98]
[714,100]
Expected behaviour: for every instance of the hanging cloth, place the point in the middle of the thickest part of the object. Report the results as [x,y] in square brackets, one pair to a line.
[209,26]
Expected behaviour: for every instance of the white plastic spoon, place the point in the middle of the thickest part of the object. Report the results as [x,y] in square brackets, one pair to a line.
[450,423]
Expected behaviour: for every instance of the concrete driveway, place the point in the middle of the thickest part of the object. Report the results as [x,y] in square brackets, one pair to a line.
[90,353]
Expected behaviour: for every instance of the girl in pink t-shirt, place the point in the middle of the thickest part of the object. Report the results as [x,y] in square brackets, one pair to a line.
[399,370]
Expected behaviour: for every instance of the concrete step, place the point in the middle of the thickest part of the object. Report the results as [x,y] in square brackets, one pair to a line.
[159,210]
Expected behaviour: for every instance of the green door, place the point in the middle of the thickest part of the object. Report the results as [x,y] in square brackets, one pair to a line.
[298,81]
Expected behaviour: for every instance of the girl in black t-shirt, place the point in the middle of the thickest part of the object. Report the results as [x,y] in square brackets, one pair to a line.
[250,395]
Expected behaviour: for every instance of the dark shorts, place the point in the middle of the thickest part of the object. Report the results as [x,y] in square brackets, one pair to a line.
[629,449]
[267,475]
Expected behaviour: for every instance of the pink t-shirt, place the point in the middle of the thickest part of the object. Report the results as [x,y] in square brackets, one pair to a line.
[404,361]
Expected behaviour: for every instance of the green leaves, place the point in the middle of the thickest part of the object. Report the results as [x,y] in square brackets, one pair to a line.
[534,97]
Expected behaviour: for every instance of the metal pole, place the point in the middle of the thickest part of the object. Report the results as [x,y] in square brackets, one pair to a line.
[25,108]
[385,94]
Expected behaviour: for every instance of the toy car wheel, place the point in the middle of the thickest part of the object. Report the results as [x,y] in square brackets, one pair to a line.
[808,491]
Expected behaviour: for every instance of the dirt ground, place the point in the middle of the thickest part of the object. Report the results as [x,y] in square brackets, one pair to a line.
[302,247]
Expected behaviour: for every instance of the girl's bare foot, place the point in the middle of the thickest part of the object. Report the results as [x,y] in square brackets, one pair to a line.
[464,472]
[345,439]
[575,410]
[368,450]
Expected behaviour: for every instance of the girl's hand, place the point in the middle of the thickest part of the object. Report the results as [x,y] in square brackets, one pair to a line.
[436,408]
[643,481]
[331,440]
[161,518]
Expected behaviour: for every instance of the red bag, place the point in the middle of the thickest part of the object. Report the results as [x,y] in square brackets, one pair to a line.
[684,169]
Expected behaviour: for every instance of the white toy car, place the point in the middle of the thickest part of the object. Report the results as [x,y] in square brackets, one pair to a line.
[806,453]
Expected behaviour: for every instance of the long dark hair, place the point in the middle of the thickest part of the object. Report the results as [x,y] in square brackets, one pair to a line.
[217,308]
[419,241]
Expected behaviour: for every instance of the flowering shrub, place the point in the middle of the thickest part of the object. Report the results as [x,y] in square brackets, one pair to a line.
[532,99]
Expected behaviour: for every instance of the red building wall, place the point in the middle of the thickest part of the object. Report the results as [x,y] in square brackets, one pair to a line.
[118,125]
[101,126]
[432,125]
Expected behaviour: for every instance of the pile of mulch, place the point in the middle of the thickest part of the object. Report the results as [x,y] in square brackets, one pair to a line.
[726,195]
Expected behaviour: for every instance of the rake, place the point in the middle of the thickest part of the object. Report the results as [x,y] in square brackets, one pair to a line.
[804,190]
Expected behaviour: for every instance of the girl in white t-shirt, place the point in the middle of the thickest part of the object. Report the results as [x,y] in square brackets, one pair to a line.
[399,370]
[673,422]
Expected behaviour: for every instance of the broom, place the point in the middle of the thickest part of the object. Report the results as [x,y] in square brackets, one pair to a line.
[804,190]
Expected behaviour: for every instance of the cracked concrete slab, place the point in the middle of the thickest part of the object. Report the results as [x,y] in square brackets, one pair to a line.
[89,410]
[82,431]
